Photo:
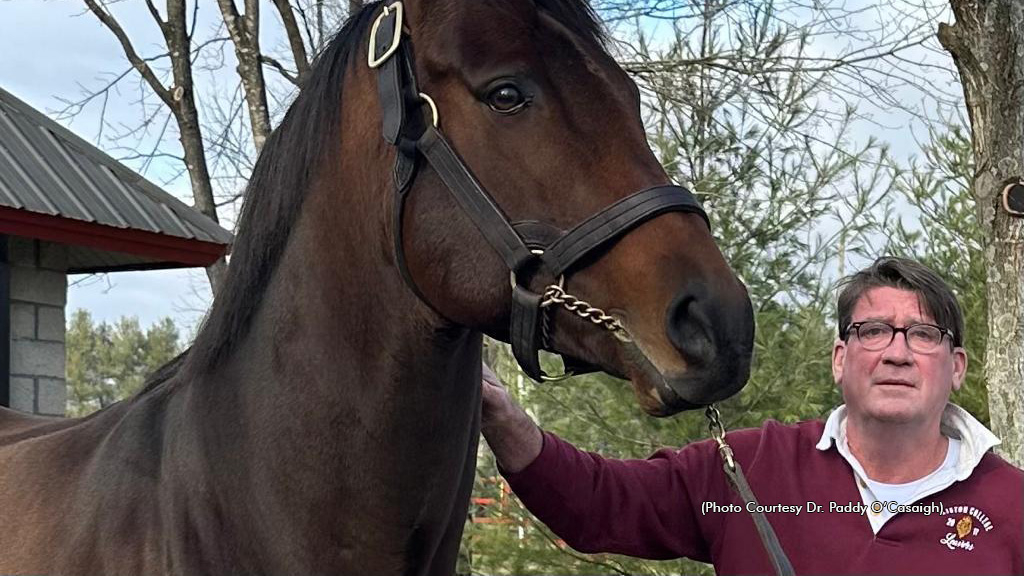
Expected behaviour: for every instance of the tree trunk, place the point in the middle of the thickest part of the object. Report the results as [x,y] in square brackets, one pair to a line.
[245,35]
[179,98]
[190,133]
[987,44]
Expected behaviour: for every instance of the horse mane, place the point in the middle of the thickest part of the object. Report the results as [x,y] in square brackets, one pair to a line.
[307,136]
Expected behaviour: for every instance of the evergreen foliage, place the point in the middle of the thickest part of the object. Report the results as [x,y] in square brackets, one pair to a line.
[107,363]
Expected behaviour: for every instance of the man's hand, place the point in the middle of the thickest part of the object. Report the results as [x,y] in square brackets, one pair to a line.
[510,432]
[497,404]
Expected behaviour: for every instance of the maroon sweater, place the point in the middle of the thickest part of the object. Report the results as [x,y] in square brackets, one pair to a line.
[653,509]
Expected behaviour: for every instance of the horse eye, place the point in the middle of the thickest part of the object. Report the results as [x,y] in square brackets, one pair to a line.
[506,99]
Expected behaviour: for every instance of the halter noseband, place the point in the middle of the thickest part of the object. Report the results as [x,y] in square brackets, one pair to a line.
[523,246]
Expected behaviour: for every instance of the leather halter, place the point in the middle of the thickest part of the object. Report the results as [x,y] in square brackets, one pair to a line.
[523,246]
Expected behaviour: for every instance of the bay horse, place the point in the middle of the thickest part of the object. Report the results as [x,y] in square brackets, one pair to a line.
[326,418]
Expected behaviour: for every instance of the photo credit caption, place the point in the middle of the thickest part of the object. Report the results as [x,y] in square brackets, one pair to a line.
[815,508]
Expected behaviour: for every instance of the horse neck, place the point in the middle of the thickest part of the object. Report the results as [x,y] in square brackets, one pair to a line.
[344,386]
[337,327]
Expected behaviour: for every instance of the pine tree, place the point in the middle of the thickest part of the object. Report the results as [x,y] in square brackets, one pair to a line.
[106,364]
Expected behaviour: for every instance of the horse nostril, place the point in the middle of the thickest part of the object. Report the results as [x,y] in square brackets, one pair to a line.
[712,327]
[689,328]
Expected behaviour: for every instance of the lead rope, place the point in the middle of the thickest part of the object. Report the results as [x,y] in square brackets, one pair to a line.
[733,471]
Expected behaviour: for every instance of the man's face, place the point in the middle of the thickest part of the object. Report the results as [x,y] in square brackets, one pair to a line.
[896,384]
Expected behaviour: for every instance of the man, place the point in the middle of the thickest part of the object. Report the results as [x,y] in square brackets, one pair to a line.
[832,490]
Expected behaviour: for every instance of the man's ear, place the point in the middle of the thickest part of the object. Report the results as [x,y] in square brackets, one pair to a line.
[838,358]
[959,367]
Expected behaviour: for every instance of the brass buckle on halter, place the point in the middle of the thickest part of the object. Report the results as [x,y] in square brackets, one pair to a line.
[433,112]
[371,57]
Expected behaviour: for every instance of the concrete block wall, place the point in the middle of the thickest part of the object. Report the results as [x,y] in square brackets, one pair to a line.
[39,289]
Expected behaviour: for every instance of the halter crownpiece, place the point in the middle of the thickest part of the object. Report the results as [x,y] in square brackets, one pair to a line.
[534,245]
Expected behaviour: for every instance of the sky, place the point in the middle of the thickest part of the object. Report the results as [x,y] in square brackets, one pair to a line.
[52,49]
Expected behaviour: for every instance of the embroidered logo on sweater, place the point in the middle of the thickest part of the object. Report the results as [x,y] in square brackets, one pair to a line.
[964,523]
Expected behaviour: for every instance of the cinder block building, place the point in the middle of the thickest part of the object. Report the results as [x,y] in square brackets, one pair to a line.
[68,208]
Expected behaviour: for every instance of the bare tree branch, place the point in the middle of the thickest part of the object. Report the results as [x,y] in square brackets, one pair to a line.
[291,28]
[281,69]
[136,61]
[179,99]
[156,16]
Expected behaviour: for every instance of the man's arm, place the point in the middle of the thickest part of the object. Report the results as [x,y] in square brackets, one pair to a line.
[641,508]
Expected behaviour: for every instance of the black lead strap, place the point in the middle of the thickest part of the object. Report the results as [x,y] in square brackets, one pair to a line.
[780,563]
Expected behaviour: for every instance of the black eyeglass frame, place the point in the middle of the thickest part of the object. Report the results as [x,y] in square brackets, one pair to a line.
[855,327]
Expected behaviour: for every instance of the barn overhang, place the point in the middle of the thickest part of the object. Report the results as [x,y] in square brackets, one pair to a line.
[135,249]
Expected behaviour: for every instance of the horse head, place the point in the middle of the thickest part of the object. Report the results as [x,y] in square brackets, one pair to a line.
[549,127]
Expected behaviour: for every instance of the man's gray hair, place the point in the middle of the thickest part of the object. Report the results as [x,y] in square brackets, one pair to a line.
[889,271]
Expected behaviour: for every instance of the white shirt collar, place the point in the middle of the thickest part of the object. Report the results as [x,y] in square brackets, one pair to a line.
[956,422]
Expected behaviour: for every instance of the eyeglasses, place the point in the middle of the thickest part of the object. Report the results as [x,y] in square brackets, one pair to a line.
[921,338]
